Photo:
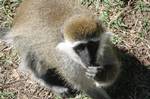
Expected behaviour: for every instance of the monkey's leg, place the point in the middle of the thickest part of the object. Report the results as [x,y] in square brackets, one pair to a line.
[105,74]
[51,78]
[108,74]
[97,93]
[76,76]
[94,91]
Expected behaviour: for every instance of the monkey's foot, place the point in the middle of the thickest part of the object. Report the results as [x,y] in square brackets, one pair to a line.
[92,71]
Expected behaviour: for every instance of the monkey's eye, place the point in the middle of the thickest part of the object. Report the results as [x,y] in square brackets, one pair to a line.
[80,47]
[93,44]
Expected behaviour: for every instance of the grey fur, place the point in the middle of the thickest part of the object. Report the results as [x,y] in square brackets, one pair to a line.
[37,32]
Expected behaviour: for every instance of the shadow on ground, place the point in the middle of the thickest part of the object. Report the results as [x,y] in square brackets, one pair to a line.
[134,80]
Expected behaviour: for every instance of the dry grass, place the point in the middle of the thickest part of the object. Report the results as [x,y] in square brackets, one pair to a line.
[128,19]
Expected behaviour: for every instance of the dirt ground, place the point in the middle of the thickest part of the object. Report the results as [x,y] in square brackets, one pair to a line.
[129,21]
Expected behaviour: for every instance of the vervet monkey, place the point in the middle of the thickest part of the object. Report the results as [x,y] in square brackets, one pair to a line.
[65,46]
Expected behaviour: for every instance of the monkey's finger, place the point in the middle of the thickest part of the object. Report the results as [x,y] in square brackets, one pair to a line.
[98,67]
[89,75]
[94,69]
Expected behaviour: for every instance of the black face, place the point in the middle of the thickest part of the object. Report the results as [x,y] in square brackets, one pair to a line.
[88,52]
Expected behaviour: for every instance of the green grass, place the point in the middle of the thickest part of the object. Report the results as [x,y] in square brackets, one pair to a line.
[113,12]
[7,8]
[145,28]
[7,95]
[142,6]
[116,39]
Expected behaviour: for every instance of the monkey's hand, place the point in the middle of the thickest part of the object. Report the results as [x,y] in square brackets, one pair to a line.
[92,71]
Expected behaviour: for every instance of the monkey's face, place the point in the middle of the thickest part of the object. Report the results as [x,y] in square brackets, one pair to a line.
[83,39]
[85,52]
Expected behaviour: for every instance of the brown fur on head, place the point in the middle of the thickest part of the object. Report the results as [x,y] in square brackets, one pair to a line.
[82,27]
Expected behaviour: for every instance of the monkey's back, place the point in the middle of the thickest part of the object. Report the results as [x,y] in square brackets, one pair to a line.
[37,26]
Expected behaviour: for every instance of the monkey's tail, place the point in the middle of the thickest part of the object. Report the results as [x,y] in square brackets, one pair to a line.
[97,93]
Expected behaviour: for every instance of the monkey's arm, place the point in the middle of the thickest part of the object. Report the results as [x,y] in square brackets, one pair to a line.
[76,76]
[111,66]
[108,71]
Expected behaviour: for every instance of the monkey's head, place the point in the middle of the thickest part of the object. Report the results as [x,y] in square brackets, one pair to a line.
[83,35]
